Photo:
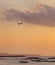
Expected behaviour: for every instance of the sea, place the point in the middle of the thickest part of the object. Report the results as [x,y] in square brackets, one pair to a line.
[16,61]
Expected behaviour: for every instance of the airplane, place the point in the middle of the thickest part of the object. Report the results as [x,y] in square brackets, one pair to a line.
[19,23]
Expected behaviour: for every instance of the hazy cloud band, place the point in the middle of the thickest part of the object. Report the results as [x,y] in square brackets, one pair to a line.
[40,15]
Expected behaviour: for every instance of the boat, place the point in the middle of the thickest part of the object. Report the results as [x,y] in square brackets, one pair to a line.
[23,61]
[36,60]
[51,60]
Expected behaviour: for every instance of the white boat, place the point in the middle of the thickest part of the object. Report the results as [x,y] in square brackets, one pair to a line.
[23,61]
[51,60]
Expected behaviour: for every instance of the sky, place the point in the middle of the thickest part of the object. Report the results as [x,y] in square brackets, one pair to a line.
[37,33]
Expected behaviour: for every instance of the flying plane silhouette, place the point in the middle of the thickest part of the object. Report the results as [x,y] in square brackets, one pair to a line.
[19,23]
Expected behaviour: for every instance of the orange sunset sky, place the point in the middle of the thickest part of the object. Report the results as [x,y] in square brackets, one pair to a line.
[37,33]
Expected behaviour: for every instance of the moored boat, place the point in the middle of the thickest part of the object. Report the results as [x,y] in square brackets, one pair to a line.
[23,61]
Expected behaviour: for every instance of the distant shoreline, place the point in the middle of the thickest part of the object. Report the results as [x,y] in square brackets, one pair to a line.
[13,56]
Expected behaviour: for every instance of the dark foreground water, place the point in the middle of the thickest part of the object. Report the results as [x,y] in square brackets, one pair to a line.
[15,61]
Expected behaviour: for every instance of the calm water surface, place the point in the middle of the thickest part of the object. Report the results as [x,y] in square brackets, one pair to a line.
[15,61]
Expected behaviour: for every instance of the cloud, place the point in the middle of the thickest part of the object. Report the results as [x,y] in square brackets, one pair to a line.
[39,15]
